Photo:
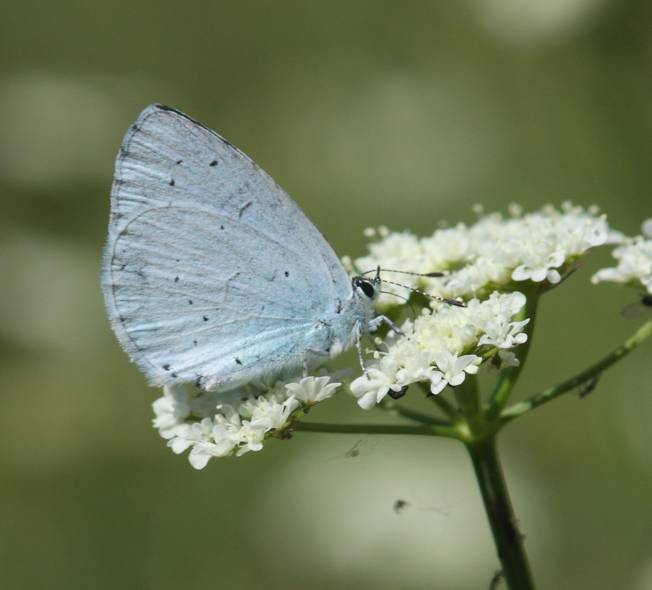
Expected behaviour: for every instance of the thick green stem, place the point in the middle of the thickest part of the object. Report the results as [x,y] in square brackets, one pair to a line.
[468,398]
[508,414]
[509,376]
[429,430]
[508,540]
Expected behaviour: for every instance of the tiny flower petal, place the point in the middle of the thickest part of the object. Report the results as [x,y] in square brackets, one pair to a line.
[646,228]
[634,265]
[311,390]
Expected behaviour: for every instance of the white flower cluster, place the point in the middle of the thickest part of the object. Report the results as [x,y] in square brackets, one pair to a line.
[489,254]
[634,262]
[442,346]
[233,423]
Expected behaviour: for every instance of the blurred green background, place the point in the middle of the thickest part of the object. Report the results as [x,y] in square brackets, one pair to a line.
[368,113]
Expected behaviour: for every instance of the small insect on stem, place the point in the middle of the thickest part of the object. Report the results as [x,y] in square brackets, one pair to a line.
[588,388]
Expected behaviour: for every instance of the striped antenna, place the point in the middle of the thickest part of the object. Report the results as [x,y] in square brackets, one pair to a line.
[404,298]
[431,275]
[454,302]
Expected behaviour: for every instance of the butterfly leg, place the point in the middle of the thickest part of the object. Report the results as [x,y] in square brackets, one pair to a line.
[359,333]
[380,319]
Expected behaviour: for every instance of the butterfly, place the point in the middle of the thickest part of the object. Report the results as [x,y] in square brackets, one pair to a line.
[211,273]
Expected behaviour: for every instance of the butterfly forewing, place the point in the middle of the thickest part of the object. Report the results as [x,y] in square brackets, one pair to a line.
[211,271]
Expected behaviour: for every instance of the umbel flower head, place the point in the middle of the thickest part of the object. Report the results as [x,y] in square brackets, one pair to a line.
[234,423]
[443,346]
[494,265]
[492,254]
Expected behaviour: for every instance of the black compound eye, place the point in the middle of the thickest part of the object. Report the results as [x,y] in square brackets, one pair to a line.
[367,288]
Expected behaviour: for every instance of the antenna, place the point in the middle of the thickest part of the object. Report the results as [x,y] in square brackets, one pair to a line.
[403,297]
[432,275]
[454,302]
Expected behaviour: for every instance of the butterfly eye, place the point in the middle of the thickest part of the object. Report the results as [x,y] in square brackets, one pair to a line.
[365,286]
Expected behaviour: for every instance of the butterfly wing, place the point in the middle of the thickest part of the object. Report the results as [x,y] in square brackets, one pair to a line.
[211,272]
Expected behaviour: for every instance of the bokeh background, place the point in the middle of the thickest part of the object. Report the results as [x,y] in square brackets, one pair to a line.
[368,113]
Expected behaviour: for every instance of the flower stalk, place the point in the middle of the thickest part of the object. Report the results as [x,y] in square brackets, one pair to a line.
[400,429]
[547,395]
[498,506]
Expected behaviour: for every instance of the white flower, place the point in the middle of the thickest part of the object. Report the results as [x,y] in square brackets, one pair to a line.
[311,390]
[540,269]
[269,414]
[634,265]
[490,253]
[508,359]
[646,228]
[210,438]
[171,410]
[438,347]
[493,318]
[212,424]
[454,368]
[372,387]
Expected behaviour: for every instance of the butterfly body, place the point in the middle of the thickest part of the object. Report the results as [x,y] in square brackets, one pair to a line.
[211,273]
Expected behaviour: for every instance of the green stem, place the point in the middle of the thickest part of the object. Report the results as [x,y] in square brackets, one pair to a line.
[428,430]
[644,332]
[439,400]
[502,520]
[391,407]
[468,398]
[508,377]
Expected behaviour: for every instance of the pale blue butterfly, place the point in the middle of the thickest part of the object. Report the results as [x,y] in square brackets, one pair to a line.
[212,274]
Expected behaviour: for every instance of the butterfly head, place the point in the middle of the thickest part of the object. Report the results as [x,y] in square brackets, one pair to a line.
[367,288]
